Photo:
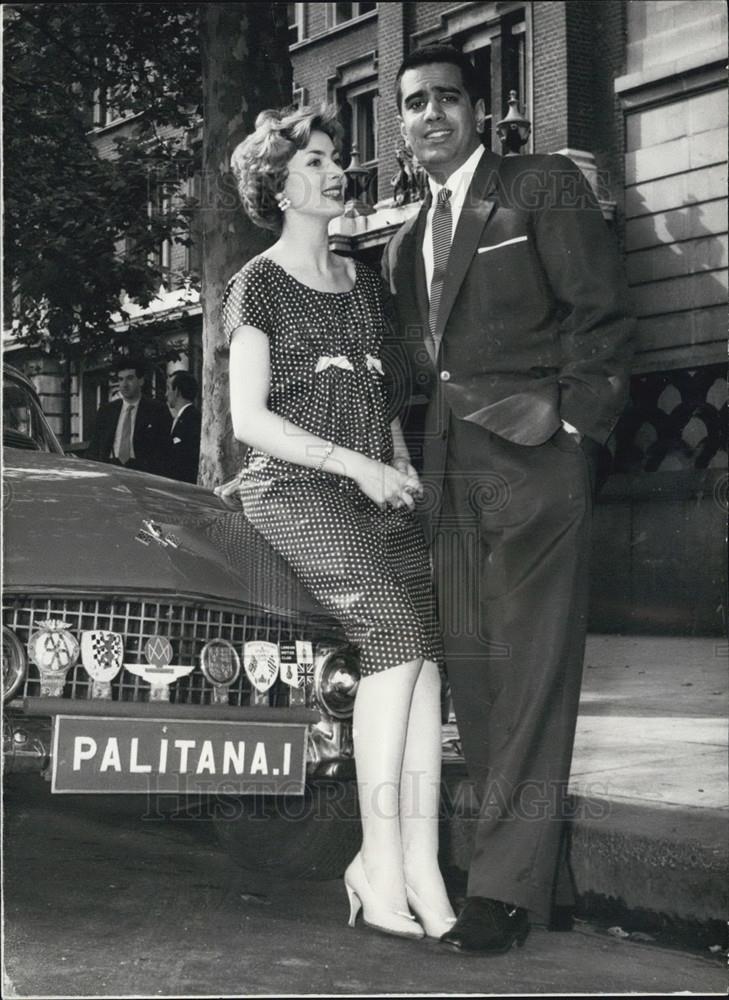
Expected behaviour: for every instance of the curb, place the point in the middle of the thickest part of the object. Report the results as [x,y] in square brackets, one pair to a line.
[664,860]
[669,860]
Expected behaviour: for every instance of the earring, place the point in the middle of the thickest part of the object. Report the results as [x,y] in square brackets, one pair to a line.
[284,203]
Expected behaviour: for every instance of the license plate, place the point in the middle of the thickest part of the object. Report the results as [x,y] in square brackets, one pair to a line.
[104,754]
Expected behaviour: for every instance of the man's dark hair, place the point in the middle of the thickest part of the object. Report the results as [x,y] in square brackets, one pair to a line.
[440,53]
[184,383]
[120,364]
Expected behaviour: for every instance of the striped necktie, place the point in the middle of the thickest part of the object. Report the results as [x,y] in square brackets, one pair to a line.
[125,438]
[442,235]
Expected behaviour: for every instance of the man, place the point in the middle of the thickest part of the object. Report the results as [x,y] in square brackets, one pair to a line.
[511,306]
[185,433]
[133,430]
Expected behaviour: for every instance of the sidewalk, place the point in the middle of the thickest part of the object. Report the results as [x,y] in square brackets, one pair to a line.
[650,776]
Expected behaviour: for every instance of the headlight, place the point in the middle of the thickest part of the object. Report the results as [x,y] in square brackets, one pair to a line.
[336,678]
[14,663]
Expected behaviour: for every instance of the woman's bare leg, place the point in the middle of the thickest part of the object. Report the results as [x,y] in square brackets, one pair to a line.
[380,727]
[420,793]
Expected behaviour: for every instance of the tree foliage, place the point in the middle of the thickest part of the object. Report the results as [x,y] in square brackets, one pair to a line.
[77,229]
[78,232]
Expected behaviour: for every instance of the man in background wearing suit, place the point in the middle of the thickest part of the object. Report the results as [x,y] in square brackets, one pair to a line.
[132,431]
[512,313]
[185,433]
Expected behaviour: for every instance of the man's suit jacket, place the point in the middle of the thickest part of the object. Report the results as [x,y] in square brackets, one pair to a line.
[151,439]
[185,445]
[533,321]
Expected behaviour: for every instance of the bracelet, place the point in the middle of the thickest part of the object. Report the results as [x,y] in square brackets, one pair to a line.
[327,452]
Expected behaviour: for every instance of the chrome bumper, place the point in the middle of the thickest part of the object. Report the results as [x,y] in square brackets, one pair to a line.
[26,744]
[27,739]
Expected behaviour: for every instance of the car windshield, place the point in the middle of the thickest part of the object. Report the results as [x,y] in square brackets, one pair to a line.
[24,425]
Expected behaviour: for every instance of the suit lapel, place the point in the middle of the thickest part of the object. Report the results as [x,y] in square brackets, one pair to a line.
[142,410]
[409,276]
[114,412]
[476,212]
[421,291]
[186,420]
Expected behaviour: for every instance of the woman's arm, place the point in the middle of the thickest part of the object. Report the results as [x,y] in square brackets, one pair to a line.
[401,456]
[256,425]
[400,449]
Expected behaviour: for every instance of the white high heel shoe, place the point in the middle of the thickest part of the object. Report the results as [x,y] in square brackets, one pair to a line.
[375,915]
[434,925]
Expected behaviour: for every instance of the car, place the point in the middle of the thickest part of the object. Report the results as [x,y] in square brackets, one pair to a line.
[154,644]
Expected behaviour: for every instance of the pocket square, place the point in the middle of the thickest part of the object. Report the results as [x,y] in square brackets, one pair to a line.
[506,243]
[176,440]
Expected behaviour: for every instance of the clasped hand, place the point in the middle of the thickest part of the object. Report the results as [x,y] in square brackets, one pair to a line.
[395,485]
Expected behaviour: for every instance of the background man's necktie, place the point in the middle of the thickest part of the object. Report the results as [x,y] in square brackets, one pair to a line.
[125,438]
[442,236]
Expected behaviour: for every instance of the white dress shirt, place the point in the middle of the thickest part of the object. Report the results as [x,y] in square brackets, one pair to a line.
[458,184]
[117,436]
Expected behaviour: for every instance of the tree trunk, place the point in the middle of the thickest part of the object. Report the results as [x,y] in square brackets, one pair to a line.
[246,68]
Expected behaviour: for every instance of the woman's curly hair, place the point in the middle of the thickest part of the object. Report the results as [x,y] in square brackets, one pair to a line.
[260,162]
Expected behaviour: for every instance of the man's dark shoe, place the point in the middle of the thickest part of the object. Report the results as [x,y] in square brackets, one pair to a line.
[486,926]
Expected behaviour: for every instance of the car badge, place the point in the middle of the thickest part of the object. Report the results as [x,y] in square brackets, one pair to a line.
[297,663]
[102,654]
[221,666]
[261,663]
[304,656]
[54,650]
[159,671]
[151,532]
[289,664]
[158,651]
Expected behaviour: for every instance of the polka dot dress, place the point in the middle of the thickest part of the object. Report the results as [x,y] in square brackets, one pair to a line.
[368,567]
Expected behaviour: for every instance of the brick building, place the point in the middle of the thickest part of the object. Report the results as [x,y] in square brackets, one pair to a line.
[634,92]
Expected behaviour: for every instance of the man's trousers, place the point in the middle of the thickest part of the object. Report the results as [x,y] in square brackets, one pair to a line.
[510,529]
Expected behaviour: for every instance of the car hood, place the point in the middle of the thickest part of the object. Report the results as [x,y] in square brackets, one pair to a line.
[76,527]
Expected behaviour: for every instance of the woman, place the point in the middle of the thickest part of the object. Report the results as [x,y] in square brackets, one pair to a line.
[328,481]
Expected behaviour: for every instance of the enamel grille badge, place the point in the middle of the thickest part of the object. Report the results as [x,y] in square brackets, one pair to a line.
[159,671]
[102,654]
[261,663]
[54,650]
[289,667]
[221,666]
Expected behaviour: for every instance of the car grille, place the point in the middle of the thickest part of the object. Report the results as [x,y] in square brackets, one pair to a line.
[188,627]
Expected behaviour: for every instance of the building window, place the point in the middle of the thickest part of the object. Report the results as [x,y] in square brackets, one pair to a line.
[105,108]
[339,13]
[193,251]
[296,22]
[513,60]
[498,52]
[12,302]
[104,101]
[481,59]
[358,112]
[158,209]
[300,96]
[94,392]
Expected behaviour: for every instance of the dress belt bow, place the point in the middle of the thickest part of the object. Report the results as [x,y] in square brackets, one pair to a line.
[343,362]
[328,360]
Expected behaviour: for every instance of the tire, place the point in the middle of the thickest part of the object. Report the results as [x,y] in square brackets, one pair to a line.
[313,836]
